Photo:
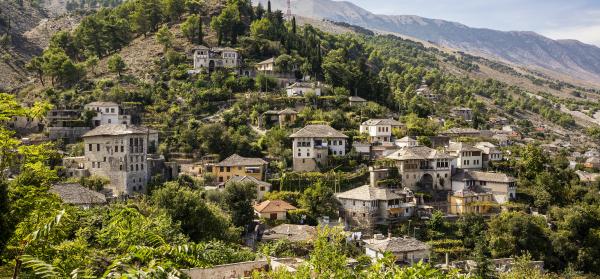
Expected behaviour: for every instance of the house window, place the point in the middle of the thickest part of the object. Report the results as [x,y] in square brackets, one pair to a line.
[90,147]
[98,147]
[109,121]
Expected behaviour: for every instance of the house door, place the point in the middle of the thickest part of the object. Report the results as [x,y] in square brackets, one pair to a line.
[273,216]
[426,181]
[211,66]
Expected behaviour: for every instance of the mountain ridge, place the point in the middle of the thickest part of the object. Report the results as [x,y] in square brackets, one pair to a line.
[527,48]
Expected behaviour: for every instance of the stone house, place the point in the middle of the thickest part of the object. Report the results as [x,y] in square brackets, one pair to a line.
[406,142]
[273,210]
[465,201]
[490,153]
[502,186]
[299,89]
[425,92]
[291,232]
[423,167]
[267,66]
[313,144]
[376,203]
[467,156]
[65,124]
[282,118]
[464,113]
[119,152]
[208,59]
[379,131]
[356,101]
[236,165]
[107,113]
[406,250]
[77,195]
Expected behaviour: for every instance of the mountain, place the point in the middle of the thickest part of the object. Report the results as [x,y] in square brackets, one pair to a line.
[570,57]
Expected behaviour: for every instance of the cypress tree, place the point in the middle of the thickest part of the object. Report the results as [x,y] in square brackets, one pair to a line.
[294,25]
[269,7]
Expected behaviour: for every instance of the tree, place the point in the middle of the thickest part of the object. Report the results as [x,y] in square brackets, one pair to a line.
[60,67]
[173,8]
[515,233]
[200,220]
[36,65]
[238,198]
[116,64]
[294,28]
[320,200]
[91,63]
[192,29]
[165,37]
[285,63]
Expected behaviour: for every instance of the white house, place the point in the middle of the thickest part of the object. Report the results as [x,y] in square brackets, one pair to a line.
[379,130]
[490,152]
[423,167]
[107,113]
[467,156]
[406,142]
[502,186]
[273,210]
[313,144]
[120,153]
[406,250]
[209,59]
[298,89]
[267,66]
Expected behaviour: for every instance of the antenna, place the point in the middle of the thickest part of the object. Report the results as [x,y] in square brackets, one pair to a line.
[288,15]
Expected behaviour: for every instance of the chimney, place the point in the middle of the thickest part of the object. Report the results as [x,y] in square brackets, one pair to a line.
[447,259]
[372,177]
[390,235]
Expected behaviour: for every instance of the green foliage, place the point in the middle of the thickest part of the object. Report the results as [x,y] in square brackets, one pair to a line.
[199,220]
[116,64]
[238,198]
[192,29]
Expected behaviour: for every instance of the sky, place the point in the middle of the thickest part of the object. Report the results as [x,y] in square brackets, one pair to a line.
[557,19]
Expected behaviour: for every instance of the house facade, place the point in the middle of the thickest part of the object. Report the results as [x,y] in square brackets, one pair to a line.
[119,152]
[490,153]
[209,59]
[467,156]
[407,250]
[236,165]
[464,113]
[273,210]
[298,89]
[107,113]
[465,201]
[313,144]
[423,167]
[502,186]
[379,131]
[374,204]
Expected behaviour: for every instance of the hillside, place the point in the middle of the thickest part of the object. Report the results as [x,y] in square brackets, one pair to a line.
[568,57]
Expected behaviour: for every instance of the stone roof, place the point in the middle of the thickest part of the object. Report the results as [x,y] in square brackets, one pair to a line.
[356,99]
[318,131]
[247,179]
[273,206]
[407,139]
[483,176]
[593,160]
[102,104]
[75,194]
[118,130]
[287,111]
[462,131]
[418,153]
[397,245]
[368,193]
[467,193]
[487,147]
[291,232]
[373,122]
[304,85]
[461,146]
[201,47]
[237,160]
[268,61]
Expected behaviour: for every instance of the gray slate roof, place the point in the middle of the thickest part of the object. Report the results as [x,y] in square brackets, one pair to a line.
[368,193]
[117,130]
[461,146]
[397,245]
[268,61]
[483,176]
[356,99]
[291,232]
[237,160]
[247,179]
[102,104]
[373,122]
[418,153]
[75,194]
[318,131]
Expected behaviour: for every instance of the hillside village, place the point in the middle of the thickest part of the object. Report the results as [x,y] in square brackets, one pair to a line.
[243,144]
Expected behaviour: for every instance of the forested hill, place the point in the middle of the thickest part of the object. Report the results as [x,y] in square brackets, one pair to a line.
[138,54]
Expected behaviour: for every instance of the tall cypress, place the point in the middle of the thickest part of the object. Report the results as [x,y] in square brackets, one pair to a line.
[200,32]
[294,25]
[269,7]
